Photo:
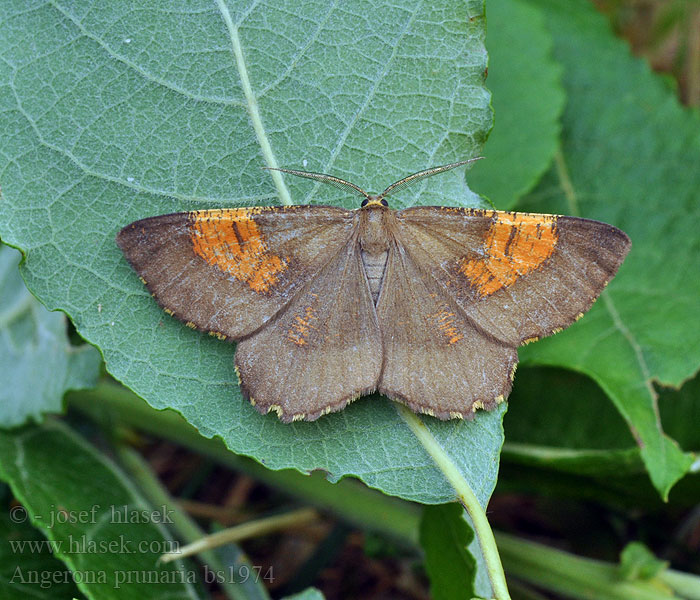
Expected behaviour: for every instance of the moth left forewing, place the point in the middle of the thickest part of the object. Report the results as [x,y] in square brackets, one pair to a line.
[521,276]
[229,271]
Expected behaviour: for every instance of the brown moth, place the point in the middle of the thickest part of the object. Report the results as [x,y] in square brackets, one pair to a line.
[426,305]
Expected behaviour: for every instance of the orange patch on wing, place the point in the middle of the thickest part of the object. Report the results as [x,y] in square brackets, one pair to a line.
[231,240]
[445,323]
[301,326]
[515,244]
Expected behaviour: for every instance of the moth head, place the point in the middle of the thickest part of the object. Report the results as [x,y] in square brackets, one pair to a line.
[372,201]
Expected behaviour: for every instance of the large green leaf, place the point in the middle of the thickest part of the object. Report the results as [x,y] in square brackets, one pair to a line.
[540,433]
[528,99]
[548,429]
[112,113]
[630,155]
[543,409]
[37,362]
[93,518]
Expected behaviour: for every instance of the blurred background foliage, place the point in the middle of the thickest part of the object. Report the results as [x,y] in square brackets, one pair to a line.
[666,33]
[581,504]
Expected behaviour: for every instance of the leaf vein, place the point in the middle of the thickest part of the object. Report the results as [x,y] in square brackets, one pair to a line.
[342,138]
[569,190]
[132,65]
[139,188]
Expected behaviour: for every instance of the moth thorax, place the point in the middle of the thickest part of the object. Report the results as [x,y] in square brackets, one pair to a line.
[374,243]
[374,237]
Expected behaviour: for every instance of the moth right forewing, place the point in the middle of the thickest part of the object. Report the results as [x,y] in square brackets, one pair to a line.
[438,240]
[520,276]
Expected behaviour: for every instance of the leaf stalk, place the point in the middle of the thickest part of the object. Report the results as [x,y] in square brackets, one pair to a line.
[466,497]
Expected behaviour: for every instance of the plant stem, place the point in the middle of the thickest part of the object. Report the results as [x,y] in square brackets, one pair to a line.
[685,585]
[566,184]
[295,518]
[578,577]
[467,498]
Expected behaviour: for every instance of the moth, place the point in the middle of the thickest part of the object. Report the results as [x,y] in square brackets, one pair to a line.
[426,305]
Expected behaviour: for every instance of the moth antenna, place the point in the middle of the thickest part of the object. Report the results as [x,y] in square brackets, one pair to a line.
[402,184]
[336,182]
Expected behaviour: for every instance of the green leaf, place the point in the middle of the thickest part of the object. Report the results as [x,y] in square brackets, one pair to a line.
[110,115]
[94,519]
[307,594]
[445,537]
[548,428]
[528,99]
[543,410]
[680,413]
[539,433]
[638,562]
[27,566]
[573,576]
[629,157]
[37,362]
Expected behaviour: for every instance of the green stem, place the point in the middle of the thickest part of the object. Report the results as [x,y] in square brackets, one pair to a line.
[685,585]
[467,498]
[238,533]
[566,184]
[626,461]
[577,577]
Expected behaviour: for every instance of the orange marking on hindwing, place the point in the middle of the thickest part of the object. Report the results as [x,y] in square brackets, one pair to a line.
[515,244]
[445,323]
[301,326]
[231,240]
